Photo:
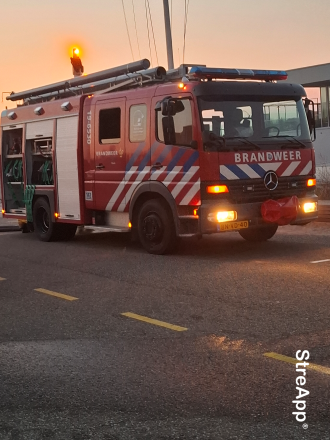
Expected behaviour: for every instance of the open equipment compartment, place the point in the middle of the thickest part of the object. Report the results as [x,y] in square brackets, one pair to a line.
[39,161]
[13,169]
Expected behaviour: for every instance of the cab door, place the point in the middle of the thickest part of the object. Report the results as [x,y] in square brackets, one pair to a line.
[138,145]
[110,154]
[177,165]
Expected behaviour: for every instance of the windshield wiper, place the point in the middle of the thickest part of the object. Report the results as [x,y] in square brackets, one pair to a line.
[293,140]
[245,141]
[213,142]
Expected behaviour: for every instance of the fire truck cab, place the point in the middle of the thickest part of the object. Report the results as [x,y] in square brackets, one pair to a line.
[161,154]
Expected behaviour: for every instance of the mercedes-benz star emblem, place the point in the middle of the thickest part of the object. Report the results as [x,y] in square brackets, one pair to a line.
[271,180]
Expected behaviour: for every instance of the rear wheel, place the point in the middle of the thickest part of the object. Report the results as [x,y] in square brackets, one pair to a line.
[42,221]
[156,228]
[261,233]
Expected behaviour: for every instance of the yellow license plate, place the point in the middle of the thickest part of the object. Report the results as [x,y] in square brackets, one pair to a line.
[233,226]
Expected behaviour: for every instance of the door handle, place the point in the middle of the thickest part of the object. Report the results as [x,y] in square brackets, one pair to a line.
[99,166]
[157,166]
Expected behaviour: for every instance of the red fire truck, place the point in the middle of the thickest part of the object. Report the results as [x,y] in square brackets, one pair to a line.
[182,153]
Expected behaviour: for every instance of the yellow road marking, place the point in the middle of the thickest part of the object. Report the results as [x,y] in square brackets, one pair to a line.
[177,328]
[2,279]
[59,295]
[290,360]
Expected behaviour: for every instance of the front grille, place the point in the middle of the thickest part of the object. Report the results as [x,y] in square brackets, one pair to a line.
[254,190]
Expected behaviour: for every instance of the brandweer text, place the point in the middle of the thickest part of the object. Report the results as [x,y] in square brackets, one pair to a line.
[267,156]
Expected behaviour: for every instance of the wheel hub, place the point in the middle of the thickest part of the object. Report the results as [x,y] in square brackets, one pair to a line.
[43,220]
[152,228]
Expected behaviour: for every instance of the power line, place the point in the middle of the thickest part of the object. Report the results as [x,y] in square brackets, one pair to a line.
[129,39]
[171,16]
[186,7]
[153,35]
[137,38]
[145,3]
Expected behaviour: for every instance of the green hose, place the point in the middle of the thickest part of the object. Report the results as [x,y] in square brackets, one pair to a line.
[28,198]
[16,168]
[45,177]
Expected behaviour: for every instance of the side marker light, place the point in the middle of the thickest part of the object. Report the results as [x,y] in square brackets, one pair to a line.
[129,224]
[56,214]
[3,211]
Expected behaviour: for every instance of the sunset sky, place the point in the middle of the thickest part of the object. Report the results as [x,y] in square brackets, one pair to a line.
[36,36]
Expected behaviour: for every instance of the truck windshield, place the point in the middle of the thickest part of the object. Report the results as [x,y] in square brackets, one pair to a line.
[260,122]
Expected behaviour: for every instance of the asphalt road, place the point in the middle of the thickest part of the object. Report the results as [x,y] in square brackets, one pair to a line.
[74,367]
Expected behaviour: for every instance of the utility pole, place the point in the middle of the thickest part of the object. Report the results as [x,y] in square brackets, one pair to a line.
[168,35]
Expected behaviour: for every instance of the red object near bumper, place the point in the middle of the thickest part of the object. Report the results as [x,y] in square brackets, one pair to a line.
[282,211]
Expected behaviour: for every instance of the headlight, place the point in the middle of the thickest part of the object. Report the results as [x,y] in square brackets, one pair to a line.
[310,207]
[222,216]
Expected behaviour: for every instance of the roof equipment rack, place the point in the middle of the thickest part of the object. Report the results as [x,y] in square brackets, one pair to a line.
[123,81]
[74,82]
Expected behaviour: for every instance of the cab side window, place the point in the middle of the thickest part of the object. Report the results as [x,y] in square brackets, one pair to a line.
[109,126]
[181,124]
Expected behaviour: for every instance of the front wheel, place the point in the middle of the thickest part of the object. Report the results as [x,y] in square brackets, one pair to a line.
[156,228]
[261,233]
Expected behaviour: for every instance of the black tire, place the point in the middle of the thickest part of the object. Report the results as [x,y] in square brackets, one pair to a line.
[45,229]
[156,228]
[261,233]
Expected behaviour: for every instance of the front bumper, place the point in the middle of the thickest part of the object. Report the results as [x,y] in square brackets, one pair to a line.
[250,212]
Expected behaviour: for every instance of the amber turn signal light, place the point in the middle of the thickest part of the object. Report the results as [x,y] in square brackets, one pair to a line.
[217,189]
[311,182]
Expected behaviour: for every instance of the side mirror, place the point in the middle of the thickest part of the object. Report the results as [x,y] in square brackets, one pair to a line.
[168,107]
[168,130]
[171,106]
[310,114]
